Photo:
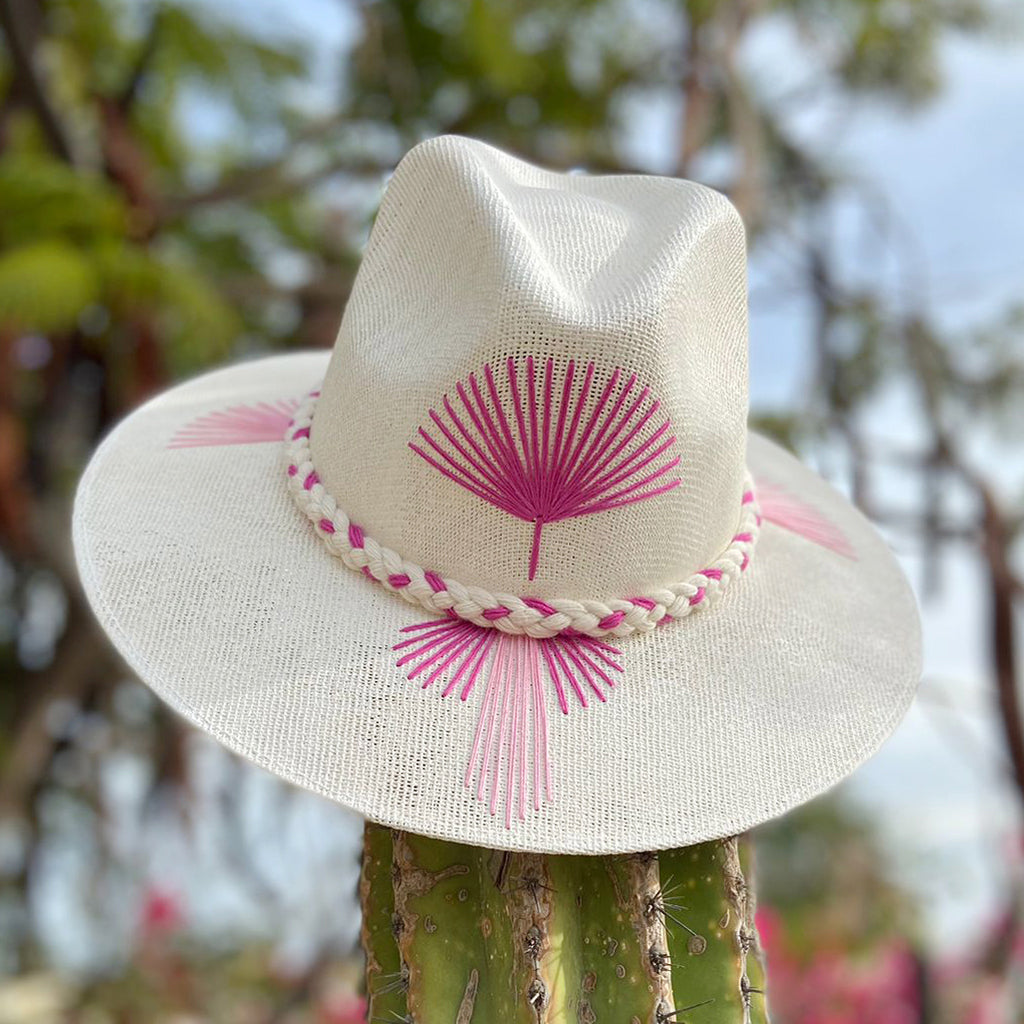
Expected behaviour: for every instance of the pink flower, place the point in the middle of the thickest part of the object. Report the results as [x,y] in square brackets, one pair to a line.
[829,986]
[161,913]
[343,1008]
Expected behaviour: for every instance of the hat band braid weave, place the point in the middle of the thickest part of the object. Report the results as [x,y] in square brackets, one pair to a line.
[509,613]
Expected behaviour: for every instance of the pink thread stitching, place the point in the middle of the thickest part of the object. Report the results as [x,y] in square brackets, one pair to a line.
[529,456]
[783,509]
[510,745]
[238,424]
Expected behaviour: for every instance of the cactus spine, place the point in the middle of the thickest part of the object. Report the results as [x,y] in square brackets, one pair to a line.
[462,935]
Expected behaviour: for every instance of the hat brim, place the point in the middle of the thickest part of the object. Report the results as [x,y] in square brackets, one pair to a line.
[218,593]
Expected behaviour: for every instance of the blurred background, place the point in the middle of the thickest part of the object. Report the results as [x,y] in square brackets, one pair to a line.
[184,183]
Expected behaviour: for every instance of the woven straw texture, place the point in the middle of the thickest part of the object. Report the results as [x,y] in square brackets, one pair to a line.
[221,595]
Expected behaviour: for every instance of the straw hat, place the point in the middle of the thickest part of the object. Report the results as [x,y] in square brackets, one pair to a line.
[507,566]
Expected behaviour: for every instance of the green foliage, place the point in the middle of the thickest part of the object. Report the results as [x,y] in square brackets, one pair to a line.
[43,198]
[195,318]
[783,427]
[990,377]
[548,79]
[99,238]
[823,869]
[888,48]
[235,65]
[68,246]
[45,286]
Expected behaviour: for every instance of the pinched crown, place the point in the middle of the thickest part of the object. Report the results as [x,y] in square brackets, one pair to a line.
[540,382]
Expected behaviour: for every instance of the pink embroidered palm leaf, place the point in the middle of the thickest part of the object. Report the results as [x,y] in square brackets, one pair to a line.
[783,509]
[549,449]
[239,424]
[509,758]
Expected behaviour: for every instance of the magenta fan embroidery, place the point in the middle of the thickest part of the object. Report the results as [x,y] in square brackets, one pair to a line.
[240,424]
[547,450]
[509,759]
[783,509]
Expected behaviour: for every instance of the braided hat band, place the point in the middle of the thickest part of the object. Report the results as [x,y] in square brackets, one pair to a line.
[530,616]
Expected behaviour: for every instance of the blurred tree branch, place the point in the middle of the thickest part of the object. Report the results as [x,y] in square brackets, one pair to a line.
[143,62]
[998,536]
[271,179]
[16,22]
[83,661]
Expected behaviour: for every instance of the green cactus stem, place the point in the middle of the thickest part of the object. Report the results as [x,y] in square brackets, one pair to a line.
[463,935]
[386,981]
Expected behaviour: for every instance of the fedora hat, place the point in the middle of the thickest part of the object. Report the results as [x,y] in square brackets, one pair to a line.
[507,566]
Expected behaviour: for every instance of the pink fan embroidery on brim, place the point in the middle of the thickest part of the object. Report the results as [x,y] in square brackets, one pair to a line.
[783,509]
[238,424]
[550,450]
[509,760]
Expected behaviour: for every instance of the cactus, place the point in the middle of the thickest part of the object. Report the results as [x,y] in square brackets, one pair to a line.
[463,935]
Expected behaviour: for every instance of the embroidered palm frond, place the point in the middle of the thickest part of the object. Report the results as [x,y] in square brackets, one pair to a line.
[509,761]
[550,445]
[783,509]
[239,424]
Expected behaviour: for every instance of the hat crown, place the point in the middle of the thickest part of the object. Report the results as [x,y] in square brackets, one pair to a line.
[509,300]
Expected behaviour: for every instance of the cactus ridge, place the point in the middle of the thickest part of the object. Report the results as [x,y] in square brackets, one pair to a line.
[386,975]
[462,935]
